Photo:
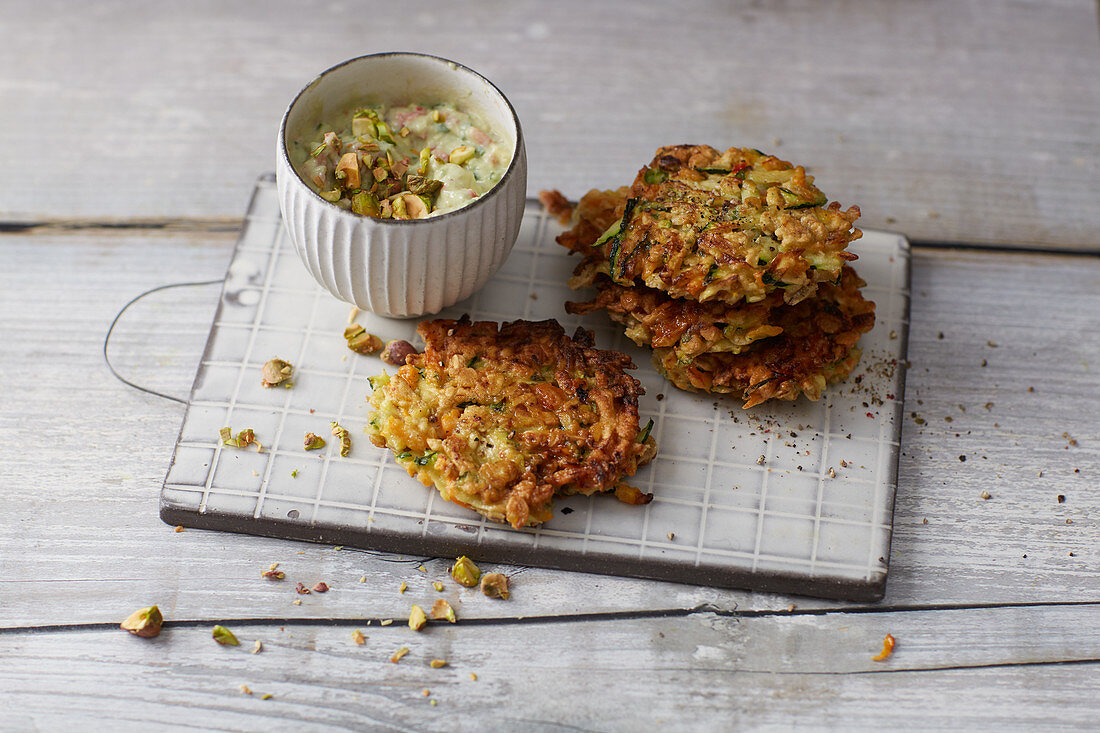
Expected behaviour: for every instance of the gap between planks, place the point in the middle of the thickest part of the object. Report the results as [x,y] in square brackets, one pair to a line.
[199,225]
[703,608]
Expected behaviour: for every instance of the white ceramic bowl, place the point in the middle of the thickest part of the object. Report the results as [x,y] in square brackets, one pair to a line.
[391,267]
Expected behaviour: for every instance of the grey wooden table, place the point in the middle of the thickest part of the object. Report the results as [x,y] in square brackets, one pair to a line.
[132,136]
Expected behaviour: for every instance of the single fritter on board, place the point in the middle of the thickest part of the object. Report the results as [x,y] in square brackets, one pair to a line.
[500,420]
[725,227]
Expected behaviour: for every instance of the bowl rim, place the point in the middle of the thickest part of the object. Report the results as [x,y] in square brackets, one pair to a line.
[512,165]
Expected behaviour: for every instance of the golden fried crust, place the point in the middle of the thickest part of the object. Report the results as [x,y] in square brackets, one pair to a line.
[501,420]
[715,226]
[817,346]
[687,327]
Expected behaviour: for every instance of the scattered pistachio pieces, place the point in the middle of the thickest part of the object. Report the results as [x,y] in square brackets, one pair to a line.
[353,314]
[276,371]
[398,654]
[438,586]
[417,618]
[257,647]
[266,696]
[321,587]
[145,622]
[180,528]
[404,587]
[441,609]
[359,340]
[887,649]
[312,441]
[986,495]
[301,588]
[433,703]
[385,622]
[344,436]
[358,638]
[425,692]
[473,676]
[224,636]
[437,663]
[495,585]
[465,572]
[273,573]
[396,352]
[244,438]
[294,473]
[246,690]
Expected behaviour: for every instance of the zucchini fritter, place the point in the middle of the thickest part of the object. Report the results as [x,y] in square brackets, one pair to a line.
[687,327]
[502,420]
[816,347]
[718,227]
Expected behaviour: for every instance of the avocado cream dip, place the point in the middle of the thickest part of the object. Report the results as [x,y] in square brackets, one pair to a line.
[406,162]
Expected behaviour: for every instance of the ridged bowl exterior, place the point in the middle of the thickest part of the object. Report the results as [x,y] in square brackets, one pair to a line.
[402,268]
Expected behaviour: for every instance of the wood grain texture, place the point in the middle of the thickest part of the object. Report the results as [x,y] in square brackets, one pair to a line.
[84,456]
[949,121]
[704,671]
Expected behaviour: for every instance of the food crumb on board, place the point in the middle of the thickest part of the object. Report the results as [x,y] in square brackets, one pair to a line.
[671,535]
[986,495]
[180,528]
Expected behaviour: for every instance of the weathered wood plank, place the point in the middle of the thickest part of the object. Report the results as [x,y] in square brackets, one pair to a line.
[1000,668]
[959,122]
[84,456]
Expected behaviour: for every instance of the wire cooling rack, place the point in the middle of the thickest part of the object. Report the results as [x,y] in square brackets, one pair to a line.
[792,497]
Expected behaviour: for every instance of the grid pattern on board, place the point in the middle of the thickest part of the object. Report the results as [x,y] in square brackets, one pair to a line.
[801,492]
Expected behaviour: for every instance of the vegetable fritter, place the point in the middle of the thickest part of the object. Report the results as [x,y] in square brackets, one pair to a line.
[712,226]
[816,347]
[687,327]
[501,420]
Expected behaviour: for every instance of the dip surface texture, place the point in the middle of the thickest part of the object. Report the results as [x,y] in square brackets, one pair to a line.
[407,162]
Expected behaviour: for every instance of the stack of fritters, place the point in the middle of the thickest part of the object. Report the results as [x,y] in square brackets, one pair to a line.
[501,420]
[731,266]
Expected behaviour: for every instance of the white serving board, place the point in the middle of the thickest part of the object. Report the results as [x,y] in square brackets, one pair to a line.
[754,499]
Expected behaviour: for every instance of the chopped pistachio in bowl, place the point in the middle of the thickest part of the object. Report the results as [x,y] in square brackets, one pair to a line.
[402,179]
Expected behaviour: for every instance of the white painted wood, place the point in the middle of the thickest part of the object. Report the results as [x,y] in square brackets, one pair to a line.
[953,669]
[949,121]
